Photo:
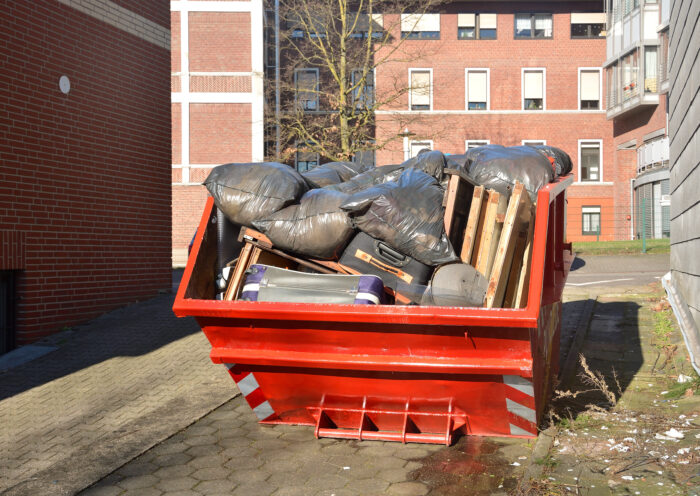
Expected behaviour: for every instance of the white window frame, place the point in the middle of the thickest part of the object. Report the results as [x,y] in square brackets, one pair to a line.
[296,156]
[544,87]
[296,89]
[600,87]
[600,151]
[533,142]
[466,87]
[416,142]
[478,142]
[410,89]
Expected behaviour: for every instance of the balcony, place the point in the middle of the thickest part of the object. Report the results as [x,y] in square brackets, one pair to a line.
[652,155]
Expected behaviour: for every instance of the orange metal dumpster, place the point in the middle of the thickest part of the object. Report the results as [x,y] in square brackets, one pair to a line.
[398,373]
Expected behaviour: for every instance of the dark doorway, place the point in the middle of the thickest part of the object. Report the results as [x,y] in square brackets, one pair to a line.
[7,310]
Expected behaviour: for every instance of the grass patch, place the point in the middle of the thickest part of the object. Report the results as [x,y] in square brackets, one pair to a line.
[679,389]
[621,247]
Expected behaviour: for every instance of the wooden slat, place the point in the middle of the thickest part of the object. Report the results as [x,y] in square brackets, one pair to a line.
[486,233]
[470,232]
[457,202]
[517,220]
[524,278]
[515,269]
[451,195]
[239,271]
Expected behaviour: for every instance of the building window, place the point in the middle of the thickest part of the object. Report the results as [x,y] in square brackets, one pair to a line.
[589,89]
[469,144]
[420,91]
[420,26]
[590,220]
[416,147]
[365,157]
[533,88]
[630,68]
[363,25]
[651,67]
[306,86]
[476,26]
[477,89]
[533,26]
[590,160]
[590,25]
[533,142]
[362,91]
[305,159]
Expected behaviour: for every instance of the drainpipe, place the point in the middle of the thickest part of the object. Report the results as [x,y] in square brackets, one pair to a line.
[632,208]
[277,78]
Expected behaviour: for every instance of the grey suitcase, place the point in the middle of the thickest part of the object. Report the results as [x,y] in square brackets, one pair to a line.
[267,283]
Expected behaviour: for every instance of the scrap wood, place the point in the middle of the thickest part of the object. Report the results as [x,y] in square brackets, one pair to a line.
[517,219]
[242,264]
[523,283]
[457,202]
[488,235]
[470,232]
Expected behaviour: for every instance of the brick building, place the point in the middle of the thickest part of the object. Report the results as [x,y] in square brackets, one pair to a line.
[505,73]
[217,100]
[84,134]
[637,86]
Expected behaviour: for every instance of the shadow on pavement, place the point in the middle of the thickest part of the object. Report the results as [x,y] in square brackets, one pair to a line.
[132,330]
[612,351]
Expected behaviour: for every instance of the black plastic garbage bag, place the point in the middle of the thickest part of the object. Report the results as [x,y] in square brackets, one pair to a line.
[315,227]
[368,179]
[562,160]
[246,192]
[497,167]
[407,214]
[334,173]
[431,162]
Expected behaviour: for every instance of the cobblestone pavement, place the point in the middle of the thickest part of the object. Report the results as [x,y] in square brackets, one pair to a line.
[113,389]
[229,453]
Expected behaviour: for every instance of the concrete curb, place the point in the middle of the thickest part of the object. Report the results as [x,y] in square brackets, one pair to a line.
[542,447]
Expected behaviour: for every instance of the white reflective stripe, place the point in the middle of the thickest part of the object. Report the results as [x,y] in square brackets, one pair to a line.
[251,287]
[248,384]
[367,296]
[517,431]
[230,365]
[263,410]
[519,383]
[521,410]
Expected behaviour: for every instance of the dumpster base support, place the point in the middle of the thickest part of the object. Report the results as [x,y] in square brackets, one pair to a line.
[405,426]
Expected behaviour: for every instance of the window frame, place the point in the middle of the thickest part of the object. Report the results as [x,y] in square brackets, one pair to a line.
[600,218]
[374,85]
[296,157]
[523,70]
[579,177]
[476,142]
[296,88]
[589,36]
[477,27]
[416,142]
[533,142]
[599,70]
[467,70]
[410,88]
[416,35]
[532,26]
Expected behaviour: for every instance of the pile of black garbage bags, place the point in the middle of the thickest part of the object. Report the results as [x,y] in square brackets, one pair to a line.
[316,213]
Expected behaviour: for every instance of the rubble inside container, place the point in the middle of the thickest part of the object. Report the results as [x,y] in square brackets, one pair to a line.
[445,230]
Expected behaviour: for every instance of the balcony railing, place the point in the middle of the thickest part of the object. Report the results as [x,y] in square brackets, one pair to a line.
[652,155]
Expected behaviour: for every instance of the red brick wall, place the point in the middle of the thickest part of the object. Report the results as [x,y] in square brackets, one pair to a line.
[85,175]
[220,133]
[219,42]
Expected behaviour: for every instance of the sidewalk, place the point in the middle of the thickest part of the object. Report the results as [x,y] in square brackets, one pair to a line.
[112,389]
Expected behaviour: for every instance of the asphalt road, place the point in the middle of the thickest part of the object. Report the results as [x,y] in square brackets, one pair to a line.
[617,270]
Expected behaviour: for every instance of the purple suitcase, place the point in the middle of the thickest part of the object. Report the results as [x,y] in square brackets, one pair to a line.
[267,283]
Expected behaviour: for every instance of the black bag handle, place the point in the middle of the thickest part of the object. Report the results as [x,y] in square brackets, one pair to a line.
[392,256]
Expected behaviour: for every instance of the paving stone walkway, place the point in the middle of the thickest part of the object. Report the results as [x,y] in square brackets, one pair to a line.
[113,389]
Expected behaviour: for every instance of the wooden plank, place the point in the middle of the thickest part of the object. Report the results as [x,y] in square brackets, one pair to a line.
[486,234]
[497,229]
[457,202]
[238,272]
[515,268]
[524,279]
[517,220]
[470,232]
[451,195]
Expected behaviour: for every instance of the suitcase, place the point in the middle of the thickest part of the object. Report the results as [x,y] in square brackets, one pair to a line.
[368,255]
[267,283]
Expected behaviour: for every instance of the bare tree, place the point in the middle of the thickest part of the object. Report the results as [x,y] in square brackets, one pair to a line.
[329,54]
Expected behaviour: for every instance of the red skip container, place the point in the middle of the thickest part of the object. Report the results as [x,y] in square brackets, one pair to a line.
[394,373]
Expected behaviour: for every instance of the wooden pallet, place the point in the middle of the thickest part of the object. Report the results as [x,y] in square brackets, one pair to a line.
[513,240]
[477,206]
[457,202]
[489,231]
